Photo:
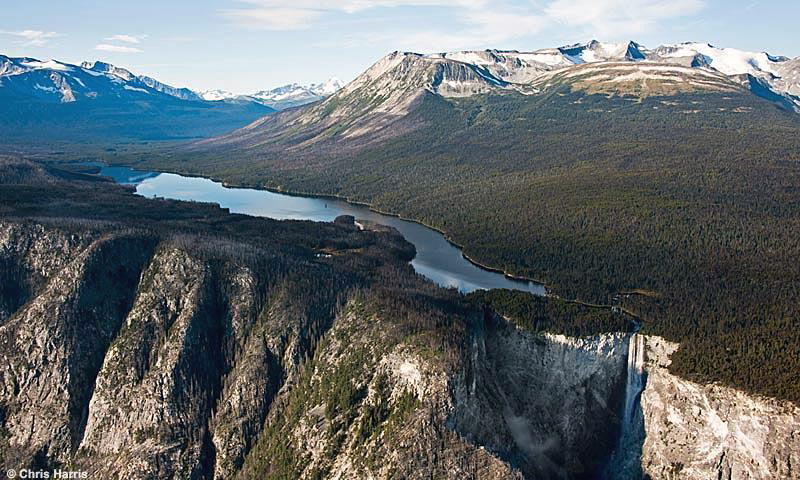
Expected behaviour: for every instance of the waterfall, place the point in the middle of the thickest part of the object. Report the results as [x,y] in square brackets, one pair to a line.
[635,382]
[625,462]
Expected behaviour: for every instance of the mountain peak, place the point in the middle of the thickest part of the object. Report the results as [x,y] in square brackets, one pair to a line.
[103,67]
[279,98]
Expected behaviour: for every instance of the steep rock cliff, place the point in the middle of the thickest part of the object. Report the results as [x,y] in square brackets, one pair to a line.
[697,431]
[156,339]
[547,403]
[375,402]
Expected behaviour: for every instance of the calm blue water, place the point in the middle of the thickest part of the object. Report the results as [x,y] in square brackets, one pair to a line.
[437,259]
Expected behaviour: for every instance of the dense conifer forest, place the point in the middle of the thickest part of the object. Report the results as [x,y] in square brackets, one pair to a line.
[683,210]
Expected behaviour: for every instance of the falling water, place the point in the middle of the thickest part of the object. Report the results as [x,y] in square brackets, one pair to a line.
[635,382]
[625,462]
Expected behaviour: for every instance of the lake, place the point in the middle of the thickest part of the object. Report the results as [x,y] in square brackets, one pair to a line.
[436,259]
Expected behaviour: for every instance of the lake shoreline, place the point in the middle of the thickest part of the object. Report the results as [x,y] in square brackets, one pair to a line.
[356,203]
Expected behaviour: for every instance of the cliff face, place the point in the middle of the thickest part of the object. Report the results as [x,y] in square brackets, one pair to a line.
[375,403]
[696,431]
[548,403]
[29,259]
[371,403]
[142,356]
[54,345]
[157,339]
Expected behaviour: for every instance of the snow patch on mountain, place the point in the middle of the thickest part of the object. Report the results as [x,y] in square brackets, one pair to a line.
[48,65]
[282,97]
[729,61]
[52,80]
[135,89]
[216,95]
[776,78]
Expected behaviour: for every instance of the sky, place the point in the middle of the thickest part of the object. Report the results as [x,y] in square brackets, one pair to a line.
[248,45]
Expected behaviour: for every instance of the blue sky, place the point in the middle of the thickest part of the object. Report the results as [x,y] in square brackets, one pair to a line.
[249,45]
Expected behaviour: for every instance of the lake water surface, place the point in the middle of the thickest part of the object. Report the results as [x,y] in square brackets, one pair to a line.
[436,259]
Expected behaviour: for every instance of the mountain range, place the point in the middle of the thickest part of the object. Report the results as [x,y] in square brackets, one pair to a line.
[98,102]
[392,88]
[61,82]
[34,91]
[280,98]
[58,82]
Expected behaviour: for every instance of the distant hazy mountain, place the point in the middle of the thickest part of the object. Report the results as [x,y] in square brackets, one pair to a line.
[99,101]
[182,93]
[61,82]
[291,95]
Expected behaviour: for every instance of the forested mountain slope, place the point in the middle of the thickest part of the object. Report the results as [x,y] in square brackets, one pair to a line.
[678,203]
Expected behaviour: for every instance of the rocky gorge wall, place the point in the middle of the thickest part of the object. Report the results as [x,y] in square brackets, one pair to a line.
[135,356]
[697,431]
[203,364]
[549,404]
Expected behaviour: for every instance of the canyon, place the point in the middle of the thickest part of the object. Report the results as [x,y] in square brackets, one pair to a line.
[196,343]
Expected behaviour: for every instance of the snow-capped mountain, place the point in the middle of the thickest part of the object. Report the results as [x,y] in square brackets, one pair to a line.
[102,67]
[286,96]
[64,83]
[98,101]
[380,102]
[216,95]
[780,74]
[617,68]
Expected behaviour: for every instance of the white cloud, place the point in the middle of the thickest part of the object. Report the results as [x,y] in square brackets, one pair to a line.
[482,31]
[33,38]
[477,28]
[274,18]
[619,17]
[503,25]
[127,38]
[105,47]
[300,14]
[473,23]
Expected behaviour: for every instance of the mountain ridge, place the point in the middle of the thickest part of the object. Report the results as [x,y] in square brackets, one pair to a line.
[97,102]
[74,82]
[283,97]
[376,104]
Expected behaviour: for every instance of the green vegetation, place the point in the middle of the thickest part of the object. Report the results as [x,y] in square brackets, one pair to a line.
[542,314]
[370,276]
[383,414]
[330,394]
[694,200]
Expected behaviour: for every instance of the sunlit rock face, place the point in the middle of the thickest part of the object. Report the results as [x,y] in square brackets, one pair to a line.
[696,431]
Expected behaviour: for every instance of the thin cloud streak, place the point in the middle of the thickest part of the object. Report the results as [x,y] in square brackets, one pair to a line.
[127,38]
[31,38]
[280,19]
[105,47]
[302,14]
[619,17]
